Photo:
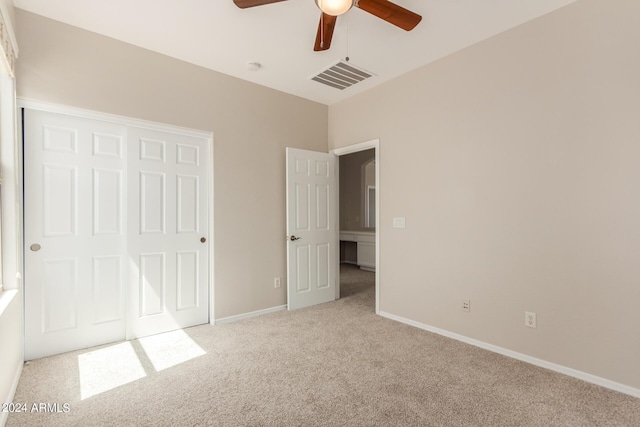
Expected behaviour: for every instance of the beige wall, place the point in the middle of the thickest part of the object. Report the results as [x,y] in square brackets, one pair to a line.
[516,165]
[352,214]
[252,125]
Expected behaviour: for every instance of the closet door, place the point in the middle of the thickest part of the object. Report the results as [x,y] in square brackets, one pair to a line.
[74,233]
[168,242]
[116,232]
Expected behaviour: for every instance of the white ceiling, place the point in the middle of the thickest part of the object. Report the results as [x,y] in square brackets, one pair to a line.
[216,34]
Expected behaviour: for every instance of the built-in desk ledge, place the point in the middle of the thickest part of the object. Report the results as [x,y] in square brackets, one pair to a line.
[366,246]
[358,236]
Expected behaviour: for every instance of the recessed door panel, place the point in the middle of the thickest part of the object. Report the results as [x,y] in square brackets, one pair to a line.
[302,206]
[303,276]
[59,193]
[60,139]
[323,262]
[152,281]
[107,288]
[59,306]
[105,145]
[187,279]
[322,168]
[188,155]
[107,196]
[152,149]
[301,166]
[152,202]
[187,200]
[323,207]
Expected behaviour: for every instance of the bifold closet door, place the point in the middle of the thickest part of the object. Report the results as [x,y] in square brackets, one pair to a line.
[75,260]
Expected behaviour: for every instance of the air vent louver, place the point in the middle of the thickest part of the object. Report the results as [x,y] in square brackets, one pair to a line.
[342,75]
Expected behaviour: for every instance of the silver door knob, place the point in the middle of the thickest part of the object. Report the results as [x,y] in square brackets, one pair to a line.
[294,238]
[35,247]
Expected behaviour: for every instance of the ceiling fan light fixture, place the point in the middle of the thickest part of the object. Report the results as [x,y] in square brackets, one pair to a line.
[334,7]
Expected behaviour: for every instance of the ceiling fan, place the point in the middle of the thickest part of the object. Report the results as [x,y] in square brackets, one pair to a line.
[383,9]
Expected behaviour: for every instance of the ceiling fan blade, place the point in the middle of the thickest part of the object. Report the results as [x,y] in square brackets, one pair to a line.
[391,12]
[325,32]
[243,4]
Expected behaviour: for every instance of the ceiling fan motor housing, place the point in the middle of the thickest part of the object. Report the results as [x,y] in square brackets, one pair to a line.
[334,7]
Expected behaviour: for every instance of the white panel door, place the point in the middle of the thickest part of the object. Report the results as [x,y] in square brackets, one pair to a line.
[312,234]
[74,233]
[168,239]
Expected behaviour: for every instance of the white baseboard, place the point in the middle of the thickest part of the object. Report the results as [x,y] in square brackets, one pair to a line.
[12,393]
[519,356]
[237,317]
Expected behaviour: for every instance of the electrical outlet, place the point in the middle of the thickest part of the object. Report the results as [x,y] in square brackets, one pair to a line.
[529,319]
[399,222]
[276,282]
[466,305]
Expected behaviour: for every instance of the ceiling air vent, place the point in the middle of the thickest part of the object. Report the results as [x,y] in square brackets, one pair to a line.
[342,75]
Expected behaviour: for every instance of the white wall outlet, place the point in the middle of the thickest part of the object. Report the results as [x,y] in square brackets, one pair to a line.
[529,319]
[466,305]
[276,282]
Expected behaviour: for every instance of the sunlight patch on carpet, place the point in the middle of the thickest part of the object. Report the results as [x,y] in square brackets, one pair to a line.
[170,349]
[105,369]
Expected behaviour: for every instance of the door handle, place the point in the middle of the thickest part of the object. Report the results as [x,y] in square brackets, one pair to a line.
[203,239]
[294,238]
[35,247]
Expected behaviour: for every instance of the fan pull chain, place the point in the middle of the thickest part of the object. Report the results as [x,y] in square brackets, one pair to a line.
[347,57]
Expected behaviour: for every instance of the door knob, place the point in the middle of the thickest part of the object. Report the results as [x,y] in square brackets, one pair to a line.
[35,247]
[294,238]
[202,239]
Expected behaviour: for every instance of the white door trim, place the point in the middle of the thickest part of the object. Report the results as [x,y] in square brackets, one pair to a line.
[129,121]
[366,145]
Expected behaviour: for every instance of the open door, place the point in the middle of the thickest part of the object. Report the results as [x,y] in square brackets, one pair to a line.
[312,228]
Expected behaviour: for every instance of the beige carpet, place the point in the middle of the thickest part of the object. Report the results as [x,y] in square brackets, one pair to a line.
[337,364]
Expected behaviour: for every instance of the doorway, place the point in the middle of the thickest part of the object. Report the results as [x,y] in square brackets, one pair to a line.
[365,237]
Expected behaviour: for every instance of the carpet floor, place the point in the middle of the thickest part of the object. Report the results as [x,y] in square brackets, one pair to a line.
[335,364]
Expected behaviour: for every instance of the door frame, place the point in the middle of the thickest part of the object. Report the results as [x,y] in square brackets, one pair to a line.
[22,103]
[354,148]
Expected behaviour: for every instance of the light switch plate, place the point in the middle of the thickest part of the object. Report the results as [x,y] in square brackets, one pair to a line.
[399,222]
